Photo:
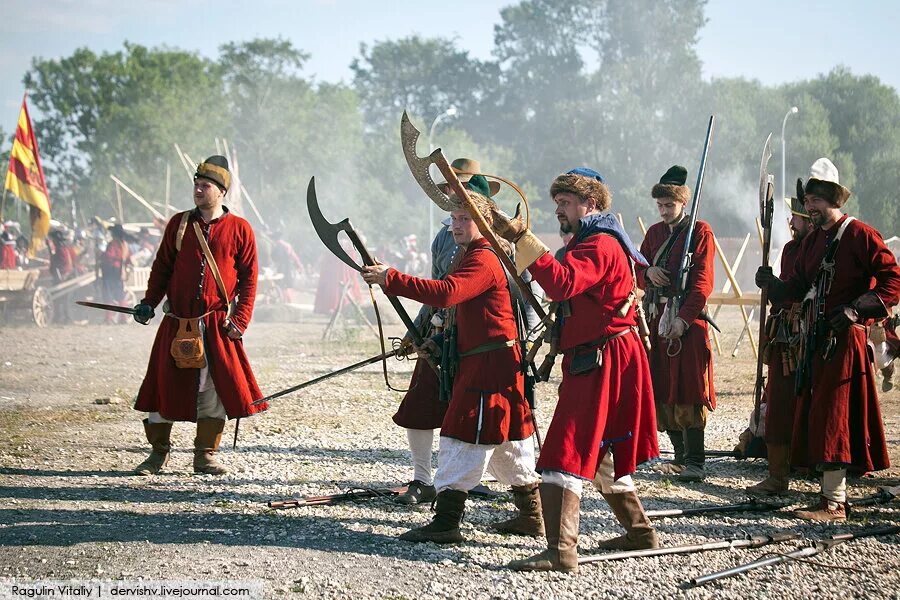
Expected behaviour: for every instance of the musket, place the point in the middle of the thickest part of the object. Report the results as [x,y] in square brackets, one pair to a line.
[885,494]
[328,233]
[744,541]
[109,307]
[360,494]
[712,453]
[676,299]
[814,548]
[326,376]
[766,208]
[748,506]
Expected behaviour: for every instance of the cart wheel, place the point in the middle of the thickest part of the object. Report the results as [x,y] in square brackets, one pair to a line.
[42,307]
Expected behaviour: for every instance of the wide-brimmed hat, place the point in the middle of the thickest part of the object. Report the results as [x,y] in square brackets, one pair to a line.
[824,181]
[215,168]
[796,204]
[466,169]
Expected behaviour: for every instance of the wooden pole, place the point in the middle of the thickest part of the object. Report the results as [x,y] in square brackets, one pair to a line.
[168,189]
[737,292]
[642,226]
[184,163]
[136,196]
[119,203]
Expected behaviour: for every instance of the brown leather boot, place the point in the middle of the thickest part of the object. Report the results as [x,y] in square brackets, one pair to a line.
[561,510]
[444,527]
[209,434]
[826,510]
[776,484]
[629,512]
[158,434]
[529,520]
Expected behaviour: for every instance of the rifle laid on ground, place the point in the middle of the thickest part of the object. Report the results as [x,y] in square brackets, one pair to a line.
[680,280]
[750,505]
[743,541]
[806,552]
[351,496]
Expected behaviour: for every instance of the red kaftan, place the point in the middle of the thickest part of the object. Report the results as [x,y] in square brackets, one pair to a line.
[186,280]
[610,406]
[837,419]
[488,404]
[686,378]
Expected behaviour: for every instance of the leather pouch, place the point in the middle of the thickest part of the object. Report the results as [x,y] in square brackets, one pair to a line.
[187,347]
[585,360]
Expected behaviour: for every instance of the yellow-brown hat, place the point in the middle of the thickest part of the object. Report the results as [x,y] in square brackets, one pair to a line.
[215,168]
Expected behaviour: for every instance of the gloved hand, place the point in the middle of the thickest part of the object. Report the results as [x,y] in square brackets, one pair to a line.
[842,317]
[510,229]
[870,306]
[764,277]
[657,276]
[143,313]
[679,326]
[405,347]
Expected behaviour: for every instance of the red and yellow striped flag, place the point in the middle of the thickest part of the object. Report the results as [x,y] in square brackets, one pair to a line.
[25,178]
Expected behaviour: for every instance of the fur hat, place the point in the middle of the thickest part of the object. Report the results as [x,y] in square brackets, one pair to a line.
[672,185]
[824,182]
[215,169]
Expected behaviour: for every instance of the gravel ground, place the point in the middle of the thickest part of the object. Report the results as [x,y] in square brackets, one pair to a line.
[69,508]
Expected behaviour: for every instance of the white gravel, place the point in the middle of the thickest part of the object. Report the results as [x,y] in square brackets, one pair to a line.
[70,510]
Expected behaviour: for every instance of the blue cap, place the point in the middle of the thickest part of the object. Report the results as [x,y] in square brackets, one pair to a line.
[586,172]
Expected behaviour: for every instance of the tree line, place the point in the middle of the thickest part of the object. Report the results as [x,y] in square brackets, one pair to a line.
[615,86]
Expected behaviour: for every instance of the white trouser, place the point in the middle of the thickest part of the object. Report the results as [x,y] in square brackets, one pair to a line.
[209,406]
[603,479]
[834,485]
[461,465]
[420,444]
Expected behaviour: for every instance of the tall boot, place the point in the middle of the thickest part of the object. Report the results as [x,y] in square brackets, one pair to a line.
[694,455]
[776,484]
[158,434]
[528,521]
[676,465]
[629,512]
[209,435]
[561,509]
[444,527]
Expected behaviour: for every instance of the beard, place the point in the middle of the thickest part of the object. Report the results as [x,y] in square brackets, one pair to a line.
[817,218]
[565,227]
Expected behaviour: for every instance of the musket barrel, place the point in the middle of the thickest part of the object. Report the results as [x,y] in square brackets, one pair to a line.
[685,549]
[763,562]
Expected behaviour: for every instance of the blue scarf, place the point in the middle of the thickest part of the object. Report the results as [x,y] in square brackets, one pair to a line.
[608,224]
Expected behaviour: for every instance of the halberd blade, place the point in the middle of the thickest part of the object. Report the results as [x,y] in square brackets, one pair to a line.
[419,167]
[326,231]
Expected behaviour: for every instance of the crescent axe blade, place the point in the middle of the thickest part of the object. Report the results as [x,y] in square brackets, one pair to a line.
[328,232]
[419,166]
[764,178]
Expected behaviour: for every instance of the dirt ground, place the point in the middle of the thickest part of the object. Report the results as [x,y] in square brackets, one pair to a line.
[69,508]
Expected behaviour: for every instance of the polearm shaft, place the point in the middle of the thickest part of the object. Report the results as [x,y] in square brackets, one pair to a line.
[700,510]
[320,379]
[736,542]
[805,552]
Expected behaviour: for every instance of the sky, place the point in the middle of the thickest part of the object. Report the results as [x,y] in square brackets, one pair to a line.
[774,41]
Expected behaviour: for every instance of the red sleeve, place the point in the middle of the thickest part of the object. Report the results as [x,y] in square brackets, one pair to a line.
[700,278]
[245,263]
[885,271]
[163,265]
[580,269]
[640,270]
[474,276]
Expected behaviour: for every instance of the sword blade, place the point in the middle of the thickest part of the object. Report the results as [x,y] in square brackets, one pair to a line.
[109,307]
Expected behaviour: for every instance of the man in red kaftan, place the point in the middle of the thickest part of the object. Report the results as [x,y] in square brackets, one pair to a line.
[224,386]
[846,277]
[680,358]
[604,423]
[488,423]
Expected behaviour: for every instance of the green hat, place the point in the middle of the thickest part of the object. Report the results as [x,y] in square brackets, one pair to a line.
[215,169]
[676,175]
[672,185]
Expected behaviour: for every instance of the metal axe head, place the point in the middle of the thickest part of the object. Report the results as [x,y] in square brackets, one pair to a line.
[419,167]
[765,178]
[328,232]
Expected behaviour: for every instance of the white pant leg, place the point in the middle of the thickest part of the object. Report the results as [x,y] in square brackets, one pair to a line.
[604,479]
[209,406]
[512,463]
[834,485]
[563,480]
[420,444]
[155,417]
[460,464]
